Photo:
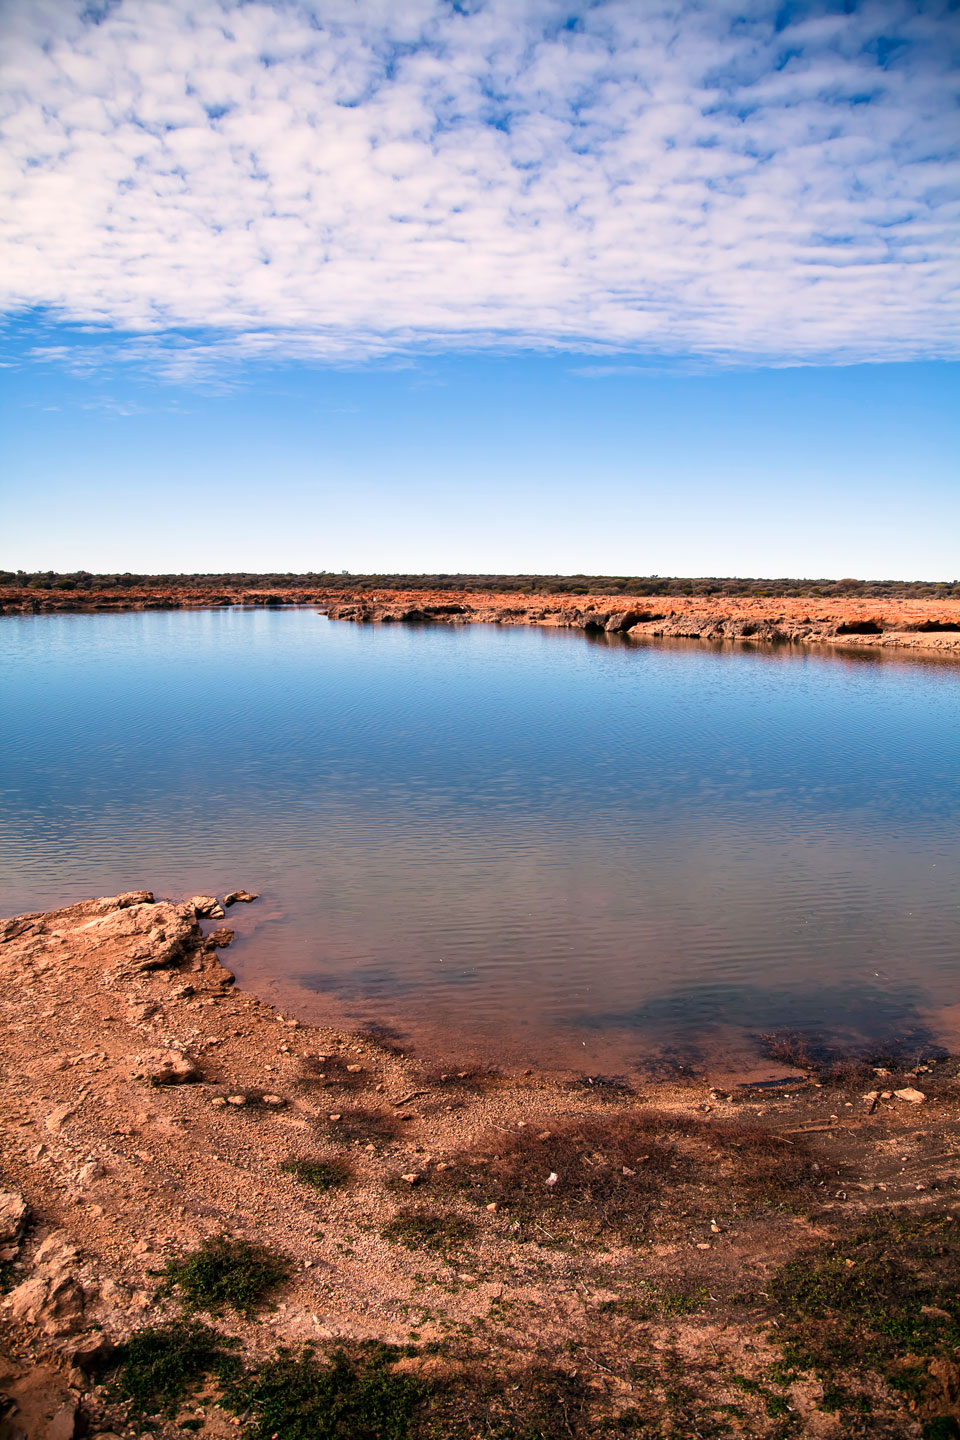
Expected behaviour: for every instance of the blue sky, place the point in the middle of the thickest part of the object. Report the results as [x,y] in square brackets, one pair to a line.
[665,287]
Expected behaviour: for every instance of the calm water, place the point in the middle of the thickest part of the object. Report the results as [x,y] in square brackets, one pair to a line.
[508,840]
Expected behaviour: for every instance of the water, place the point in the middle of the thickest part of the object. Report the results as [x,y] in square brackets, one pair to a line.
[512,842]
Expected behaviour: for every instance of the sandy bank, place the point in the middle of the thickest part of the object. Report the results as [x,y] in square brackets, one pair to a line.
[553,1259]
[921,625]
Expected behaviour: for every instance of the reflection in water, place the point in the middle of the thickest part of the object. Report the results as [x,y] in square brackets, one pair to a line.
[544,847]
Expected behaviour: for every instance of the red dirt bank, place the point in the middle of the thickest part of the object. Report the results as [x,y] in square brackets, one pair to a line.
[902,624]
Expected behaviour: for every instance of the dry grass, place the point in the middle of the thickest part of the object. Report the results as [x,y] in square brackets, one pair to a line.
[616,1173]
[332,1072]
[361,1125]
[429,1230]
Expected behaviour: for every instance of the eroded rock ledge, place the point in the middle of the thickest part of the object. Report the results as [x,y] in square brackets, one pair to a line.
[518,1237]
[909,624]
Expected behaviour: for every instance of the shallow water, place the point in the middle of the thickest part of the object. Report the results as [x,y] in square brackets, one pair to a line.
[509,842]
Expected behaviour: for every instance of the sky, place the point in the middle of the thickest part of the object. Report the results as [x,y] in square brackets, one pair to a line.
[629,288]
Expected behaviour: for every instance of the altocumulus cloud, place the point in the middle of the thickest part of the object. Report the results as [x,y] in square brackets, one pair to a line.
[339,178]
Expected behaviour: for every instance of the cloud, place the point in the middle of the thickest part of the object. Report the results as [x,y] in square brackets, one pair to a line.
[340,179]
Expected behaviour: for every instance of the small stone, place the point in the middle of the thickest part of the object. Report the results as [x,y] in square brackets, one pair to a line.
[273,1099]
[444,1165]
[493,1207]
[206,907]
[714,1227]
[703,1245]
[354,1069]
[872,1095]
[90,1172]
[552,1178]
[218,1100]
[134,897]
[913,1097]
[627,1171]
[175,1069]
[236,1099]
[411,1179]
[335,1117]
[886,1094]
[545,1135]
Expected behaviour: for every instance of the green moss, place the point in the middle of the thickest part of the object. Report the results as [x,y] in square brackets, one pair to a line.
[225,1272]
[159,1366]
[318,1174]
[300,1397]
[885,1300]
[944,1427]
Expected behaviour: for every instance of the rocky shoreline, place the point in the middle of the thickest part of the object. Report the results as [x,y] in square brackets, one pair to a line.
[488,1254]
[905,625]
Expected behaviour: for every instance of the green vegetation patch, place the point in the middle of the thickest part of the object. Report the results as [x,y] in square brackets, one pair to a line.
[225,1272]
[159,1366]
[429,1230]
[302,1397]
[319,1174]
[885,1300]
[666,1302]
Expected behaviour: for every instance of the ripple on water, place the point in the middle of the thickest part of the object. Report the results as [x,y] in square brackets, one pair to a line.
[505,837]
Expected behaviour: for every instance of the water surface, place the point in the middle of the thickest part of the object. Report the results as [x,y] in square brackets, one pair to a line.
[508,841]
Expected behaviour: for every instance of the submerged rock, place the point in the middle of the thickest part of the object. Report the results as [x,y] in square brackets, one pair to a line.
[206,907]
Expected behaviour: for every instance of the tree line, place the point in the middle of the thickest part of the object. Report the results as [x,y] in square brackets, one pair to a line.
[665,585]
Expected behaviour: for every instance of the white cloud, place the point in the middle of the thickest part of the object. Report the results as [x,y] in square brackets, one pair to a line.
[339,178]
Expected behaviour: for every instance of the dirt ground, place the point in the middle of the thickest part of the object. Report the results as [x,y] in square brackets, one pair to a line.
[540,1258]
